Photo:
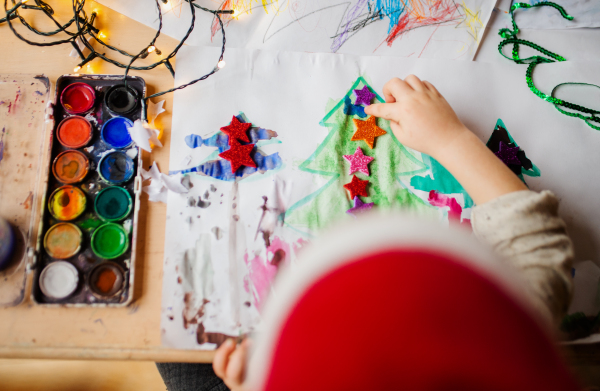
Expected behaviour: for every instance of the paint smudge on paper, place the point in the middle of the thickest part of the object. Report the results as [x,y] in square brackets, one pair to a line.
[439,180]
[262,271]
[351,109]
[454,208]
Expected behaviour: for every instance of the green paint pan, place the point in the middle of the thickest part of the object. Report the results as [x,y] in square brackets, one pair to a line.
[110,241]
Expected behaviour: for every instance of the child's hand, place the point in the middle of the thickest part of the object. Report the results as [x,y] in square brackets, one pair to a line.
[419,115]
[230,363]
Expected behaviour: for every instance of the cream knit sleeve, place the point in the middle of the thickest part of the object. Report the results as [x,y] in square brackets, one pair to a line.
[524,227]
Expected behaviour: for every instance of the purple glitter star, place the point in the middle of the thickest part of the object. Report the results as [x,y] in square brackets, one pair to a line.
[359,207]
[508,154]
[364,96]
[358,162]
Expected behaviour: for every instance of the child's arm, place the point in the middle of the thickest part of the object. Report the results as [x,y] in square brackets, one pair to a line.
[422,119]
[521,225]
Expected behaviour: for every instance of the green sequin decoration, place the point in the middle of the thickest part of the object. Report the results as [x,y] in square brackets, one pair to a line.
[510,37]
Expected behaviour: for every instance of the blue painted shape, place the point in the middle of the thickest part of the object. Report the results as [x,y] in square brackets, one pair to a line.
[350,109]
[115,132]
[193,141]
[221,169]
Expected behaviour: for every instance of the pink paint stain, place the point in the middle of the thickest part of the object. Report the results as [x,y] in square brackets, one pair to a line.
[300,243]
[280,251]
[262,272]
[261,276]
[455,210]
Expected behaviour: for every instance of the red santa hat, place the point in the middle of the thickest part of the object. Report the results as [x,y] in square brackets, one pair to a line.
[400,303]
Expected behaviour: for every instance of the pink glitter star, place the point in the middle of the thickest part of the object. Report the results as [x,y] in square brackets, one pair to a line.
[364,96]
[358,162]
[359,207]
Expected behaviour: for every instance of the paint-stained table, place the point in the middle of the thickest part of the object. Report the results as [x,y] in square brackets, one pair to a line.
[31,331]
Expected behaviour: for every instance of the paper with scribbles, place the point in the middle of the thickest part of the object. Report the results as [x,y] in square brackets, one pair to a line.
[411,28]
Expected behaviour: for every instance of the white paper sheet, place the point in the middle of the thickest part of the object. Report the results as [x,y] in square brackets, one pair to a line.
[288,93]
[586,13]
[420,28]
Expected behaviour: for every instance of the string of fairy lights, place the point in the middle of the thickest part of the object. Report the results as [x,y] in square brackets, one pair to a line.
[80,28]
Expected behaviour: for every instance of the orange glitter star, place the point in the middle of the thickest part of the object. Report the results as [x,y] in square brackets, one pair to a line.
[367,131]
[357,187]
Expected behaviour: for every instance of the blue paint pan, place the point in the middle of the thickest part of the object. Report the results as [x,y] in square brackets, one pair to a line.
[116,168]
[115,132]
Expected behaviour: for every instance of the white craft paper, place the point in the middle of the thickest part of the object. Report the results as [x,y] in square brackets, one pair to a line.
[288,93]
[586,13]
[415,28]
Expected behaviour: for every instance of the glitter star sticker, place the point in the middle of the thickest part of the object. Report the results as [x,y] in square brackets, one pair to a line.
[367,131]
[357,187]
[508,154]
[238,155]
[359,207]
[358,162]
[237,130]
[364,96]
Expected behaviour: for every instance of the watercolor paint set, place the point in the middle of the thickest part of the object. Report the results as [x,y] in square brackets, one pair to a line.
[86,246]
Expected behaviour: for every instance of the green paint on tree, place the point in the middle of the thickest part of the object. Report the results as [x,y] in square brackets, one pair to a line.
[113,203]
[439,180]
[392,160]
[110,241]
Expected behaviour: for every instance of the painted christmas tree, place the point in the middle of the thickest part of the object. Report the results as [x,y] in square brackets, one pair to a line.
[352,140]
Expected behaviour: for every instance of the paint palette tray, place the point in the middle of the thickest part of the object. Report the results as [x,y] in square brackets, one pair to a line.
[86,247]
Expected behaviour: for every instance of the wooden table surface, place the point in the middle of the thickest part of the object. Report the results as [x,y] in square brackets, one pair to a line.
[31,331]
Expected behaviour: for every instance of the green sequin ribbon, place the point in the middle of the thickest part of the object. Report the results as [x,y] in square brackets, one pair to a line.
[510,37]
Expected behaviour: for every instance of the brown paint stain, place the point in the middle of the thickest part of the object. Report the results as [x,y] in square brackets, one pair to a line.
[27,203]
[217,338]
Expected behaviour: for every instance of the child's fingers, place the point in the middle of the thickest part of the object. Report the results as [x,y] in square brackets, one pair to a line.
[221,358]
[415,83]
[431,87]
[394,89]
[381,110]
[236,368]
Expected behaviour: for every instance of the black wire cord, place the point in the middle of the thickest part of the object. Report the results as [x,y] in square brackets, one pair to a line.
[85,31]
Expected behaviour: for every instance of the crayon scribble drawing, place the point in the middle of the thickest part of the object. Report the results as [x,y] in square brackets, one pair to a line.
[377,23]
[420,28]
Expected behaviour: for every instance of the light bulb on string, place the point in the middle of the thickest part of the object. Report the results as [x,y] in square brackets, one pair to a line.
[151,49]
[76,69]
[221,64]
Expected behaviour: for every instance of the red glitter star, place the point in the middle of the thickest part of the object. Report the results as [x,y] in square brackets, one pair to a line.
[236,130]
[357,187]
[238,155]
